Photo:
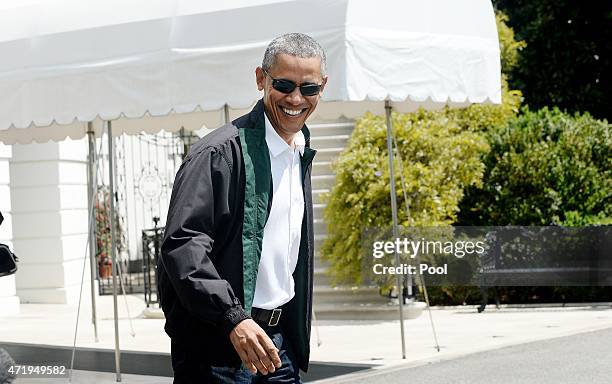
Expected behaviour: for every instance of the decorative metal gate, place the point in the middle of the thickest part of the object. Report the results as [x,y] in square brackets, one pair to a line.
[146,167]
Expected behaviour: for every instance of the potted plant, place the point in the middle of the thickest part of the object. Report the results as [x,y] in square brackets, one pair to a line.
[103,233]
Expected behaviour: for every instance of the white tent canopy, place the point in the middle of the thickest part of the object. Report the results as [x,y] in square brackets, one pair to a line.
[167,64]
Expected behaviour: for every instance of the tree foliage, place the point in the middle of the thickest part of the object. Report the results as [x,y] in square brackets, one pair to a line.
[568,54]
[509,46]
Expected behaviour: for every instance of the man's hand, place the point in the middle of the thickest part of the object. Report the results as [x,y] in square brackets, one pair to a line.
[254,347]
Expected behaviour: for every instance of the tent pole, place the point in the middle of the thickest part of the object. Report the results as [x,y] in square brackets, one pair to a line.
[111,155]
[401,172]
[91,192]
[226,114]
[400,293]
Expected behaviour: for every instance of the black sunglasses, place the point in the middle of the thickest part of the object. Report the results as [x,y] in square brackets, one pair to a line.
[287,86]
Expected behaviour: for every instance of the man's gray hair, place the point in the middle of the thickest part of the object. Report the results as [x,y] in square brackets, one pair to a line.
[294,44]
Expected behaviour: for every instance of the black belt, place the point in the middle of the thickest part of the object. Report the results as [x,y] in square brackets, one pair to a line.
[271,317]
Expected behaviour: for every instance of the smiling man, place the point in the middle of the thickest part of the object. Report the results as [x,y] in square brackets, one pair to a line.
[235,274]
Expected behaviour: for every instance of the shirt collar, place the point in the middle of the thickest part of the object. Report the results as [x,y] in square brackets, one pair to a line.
[277,145]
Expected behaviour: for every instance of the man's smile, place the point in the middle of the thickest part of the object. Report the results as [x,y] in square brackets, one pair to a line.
[292,111]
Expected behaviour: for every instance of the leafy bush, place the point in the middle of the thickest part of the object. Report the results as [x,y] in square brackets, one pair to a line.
[440,159]
[544,167]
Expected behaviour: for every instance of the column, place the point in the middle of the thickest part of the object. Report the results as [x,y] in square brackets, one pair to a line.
[49,196]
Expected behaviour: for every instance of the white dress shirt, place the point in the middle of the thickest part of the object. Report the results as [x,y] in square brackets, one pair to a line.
[282,232]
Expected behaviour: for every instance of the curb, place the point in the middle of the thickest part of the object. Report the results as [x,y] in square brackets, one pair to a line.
[536,306]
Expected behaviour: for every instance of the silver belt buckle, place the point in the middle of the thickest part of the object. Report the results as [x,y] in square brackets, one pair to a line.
[274,319]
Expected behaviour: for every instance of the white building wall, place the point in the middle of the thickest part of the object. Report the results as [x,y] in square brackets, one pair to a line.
[9,302]
[48,186]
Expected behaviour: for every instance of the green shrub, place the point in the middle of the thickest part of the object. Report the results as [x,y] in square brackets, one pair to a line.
[440,159]
[544,167]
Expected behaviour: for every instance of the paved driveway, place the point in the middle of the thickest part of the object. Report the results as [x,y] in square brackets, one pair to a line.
[581,358]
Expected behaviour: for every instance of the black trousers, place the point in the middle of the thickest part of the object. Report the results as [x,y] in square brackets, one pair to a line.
[190,368]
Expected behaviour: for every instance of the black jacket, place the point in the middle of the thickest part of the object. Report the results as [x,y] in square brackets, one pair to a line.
[213,239]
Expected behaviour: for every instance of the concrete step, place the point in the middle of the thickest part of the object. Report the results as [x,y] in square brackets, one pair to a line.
[316,195]
[318,210]
[368,311]
[319,238]
[328,154]
[320,263]
[344,294]
[319,225]
[318,260]
[331,128]
[320,242]
[323,181]
[321,278]
[320,142]
[321,168]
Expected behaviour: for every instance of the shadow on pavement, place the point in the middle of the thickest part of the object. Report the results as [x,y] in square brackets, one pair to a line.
[139,363]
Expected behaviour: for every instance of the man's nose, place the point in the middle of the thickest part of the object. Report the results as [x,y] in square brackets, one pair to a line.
[295,97]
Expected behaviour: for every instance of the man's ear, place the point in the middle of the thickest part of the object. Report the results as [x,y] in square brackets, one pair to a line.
[323,83]
[260,78]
